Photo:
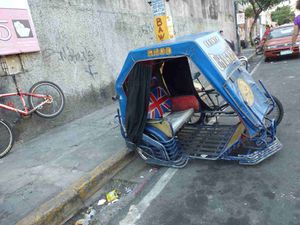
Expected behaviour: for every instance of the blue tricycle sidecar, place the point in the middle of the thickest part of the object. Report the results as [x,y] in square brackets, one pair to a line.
[168,118]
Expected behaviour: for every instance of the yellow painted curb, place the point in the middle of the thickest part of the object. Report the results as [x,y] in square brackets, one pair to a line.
[89,184]
[63,206]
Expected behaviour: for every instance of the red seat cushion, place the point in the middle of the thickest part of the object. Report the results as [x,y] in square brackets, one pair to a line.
[185,102]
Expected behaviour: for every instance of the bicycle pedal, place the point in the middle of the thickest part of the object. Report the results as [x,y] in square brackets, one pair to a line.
[26,117]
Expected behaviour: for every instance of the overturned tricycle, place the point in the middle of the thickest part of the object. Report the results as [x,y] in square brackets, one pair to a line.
[191,98]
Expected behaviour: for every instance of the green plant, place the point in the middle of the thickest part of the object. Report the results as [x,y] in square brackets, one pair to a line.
[257,6]
[283,15]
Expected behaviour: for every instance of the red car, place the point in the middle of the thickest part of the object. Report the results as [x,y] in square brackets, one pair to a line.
[278,42]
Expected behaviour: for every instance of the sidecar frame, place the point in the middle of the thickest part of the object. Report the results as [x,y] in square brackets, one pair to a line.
[209,52]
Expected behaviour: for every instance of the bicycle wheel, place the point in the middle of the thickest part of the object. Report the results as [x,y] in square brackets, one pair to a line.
[6,138]
[278,112]
[55,95]
[197,118]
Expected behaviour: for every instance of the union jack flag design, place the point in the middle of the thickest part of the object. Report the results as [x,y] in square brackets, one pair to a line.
[159,103]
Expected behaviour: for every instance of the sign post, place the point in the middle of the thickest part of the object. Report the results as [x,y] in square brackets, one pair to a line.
[240,18]
[235,6]
[162,20]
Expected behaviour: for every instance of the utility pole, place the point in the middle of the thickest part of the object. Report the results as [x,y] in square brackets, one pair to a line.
[163,24]
[235,5]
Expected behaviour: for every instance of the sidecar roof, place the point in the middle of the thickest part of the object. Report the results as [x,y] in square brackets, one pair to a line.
[175,41]
[208,46]
[178,46]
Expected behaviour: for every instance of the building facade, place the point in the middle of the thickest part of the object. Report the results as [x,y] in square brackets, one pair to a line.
[85,42]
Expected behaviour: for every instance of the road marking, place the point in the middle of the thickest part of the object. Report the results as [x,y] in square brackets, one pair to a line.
[256,67]
[135,211]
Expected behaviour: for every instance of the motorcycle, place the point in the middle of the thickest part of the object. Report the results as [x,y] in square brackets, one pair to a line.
[158,99]
[259,45]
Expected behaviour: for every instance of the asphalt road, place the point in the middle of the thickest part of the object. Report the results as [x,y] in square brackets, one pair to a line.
[220,192]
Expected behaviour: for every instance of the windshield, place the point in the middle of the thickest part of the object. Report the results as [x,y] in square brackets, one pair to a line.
[281,32]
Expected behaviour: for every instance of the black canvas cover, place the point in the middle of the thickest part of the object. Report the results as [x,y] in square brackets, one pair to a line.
[138,94]
[178,78]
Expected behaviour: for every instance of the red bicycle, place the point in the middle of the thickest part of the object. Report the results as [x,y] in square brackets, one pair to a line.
[45,98]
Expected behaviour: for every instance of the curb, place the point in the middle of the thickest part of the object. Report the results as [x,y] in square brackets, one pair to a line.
[67,203]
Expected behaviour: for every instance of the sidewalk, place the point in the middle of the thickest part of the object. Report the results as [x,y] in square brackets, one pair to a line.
[36,171]
[248,52]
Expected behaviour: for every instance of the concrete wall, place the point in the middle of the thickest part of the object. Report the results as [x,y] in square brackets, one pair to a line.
[85,42]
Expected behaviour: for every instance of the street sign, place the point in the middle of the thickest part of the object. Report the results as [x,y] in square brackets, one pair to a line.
[161,28]
[17,33]
[158,7]
[240,18]
[162,20]
[169,20]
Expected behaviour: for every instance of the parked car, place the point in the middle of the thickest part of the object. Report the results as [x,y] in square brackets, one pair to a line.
[278,42]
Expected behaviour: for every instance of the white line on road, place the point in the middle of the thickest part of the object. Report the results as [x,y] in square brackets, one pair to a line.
[256,67]
[135,211]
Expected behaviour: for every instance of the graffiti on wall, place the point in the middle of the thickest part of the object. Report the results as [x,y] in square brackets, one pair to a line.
[67,54]
[70,55]
[203,4]
[213,10]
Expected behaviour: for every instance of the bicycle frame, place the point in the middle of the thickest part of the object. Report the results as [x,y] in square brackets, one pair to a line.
[217,108]
[26,110]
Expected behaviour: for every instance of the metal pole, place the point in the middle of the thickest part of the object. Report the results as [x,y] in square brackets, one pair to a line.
[235,3]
